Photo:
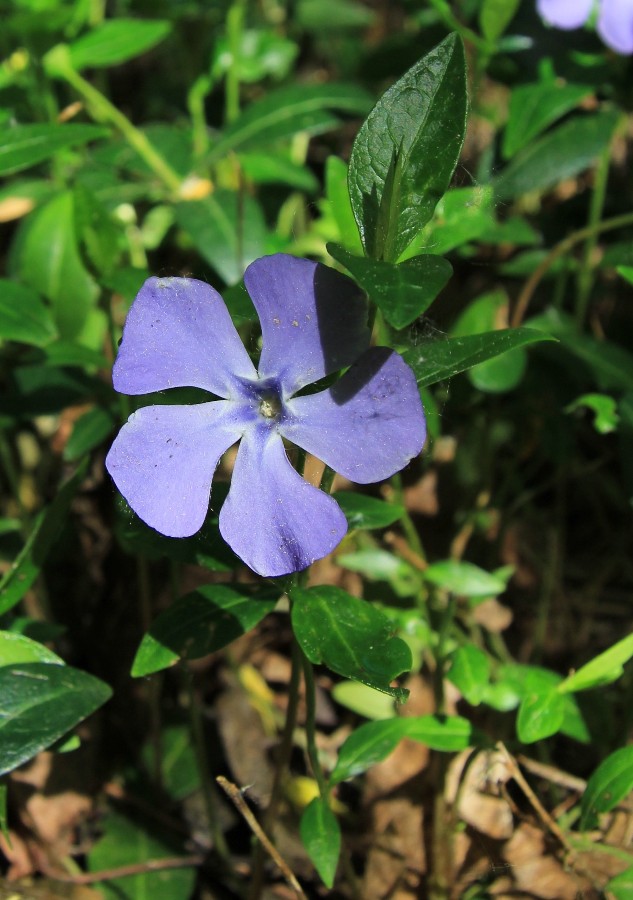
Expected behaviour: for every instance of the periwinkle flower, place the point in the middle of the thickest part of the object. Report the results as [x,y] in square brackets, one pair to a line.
[366,426]
[614,24]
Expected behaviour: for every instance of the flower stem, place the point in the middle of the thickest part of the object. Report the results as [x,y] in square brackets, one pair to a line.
[596,207]
[234,27]
[313,753]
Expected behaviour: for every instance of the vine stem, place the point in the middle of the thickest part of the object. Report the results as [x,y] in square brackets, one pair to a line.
[313,753]
[555,253]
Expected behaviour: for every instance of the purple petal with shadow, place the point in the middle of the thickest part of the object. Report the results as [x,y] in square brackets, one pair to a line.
[369,425]
[615,25]
[272,518]
[566,14]
[314,320]
[179,333]
[164,457]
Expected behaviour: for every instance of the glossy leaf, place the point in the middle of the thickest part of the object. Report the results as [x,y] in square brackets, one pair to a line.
[449,734]
[116,41]
[16,648]
[470,672]
[321,836]
[362,511]
[535,106]
[406,150]
[540,715]
[23,146]
[284,112]
[199,623]
[603,669]
[464,579]
[26,567]
[438,360]
[40,703]
[367,745]
[402,292]
[565,151]
[24,316]
[349,636]
[611,782]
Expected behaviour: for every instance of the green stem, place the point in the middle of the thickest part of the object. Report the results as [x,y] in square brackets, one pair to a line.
[235,28]
[596,207]
[313,753]
[58,65]
[408,526]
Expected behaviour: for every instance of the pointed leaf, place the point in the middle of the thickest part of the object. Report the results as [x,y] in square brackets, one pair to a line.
[406,150]
[540,715]
[367,745]
[115,41]
[22,146]
[609,784]
[362,511]
[321,836]
[24,316]
[350,636]
[535,106]
[603,669]
[17,648]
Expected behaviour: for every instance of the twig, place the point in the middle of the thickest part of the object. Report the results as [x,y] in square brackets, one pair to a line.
[553,775]
[151,865]
[235,795]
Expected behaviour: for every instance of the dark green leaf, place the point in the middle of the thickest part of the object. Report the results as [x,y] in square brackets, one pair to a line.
[406,150]
[228,231]
[367,745]
[282,113]
[23,315]
[437,360]
[362,511]
[540,715]
[562,153]
[350,636]
[48,525]
[89,431]
[321,837]
[178,762]
[535,106]
[609,784]
[115,41]
[402,292]
[332,15]
[22,146]
[40,703]
[200,623]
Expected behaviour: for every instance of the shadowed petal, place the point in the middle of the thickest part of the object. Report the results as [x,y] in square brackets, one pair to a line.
[368,425]
[615,25]
[314,320]
[272,518]
[163,460]
[565,13]
[179,333]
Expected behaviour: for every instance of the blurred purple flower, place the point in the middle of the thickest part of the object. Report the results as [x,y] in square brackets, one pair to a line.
[614,25]
[367,426]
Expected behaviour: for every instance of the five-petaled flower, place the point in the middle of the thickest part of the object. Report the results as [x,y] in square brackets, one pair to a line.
[614,24]
[366,426]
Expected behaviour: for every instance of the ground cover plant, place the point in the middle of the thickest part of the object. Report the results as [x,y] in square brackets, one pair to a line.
[316,424]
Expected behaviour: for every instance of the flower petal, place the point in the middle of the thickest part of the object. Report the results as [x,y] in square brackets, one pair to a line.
[615,25]
[566,14]
[272,518]
[164,457]
[369,425]
[179,333]
[314,320]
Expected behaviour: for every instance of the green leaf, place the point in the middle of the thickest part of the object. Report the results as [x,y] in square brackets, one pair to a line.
[464,579]
[406,150]
[381,565]
[332,15]
[535,106]
[470,673]
[449,734]
[178,761]
[22,146]
[621,886]
[282,113]
[626,272]
[23,315]
[349,636]
[89,432]
[337,194]
[275,168]
[362,511]
[438,360]
[40,703]
[540,715]
[402,292]
[321,836]
[260,54]
[367,745]
[48,525]
[115,41]
[609,784]
[604,407]
[462,215]
[127,842]
[199,623]
[47,258]
[495,16]
[4,819]
[562,153]
[503,373]
[364,700]
[16,648]
[228,231]
[603,669]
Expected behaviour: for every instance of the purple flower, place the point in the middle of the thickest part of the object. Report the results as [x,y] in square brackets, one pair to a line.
[614,25]
[366,426]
